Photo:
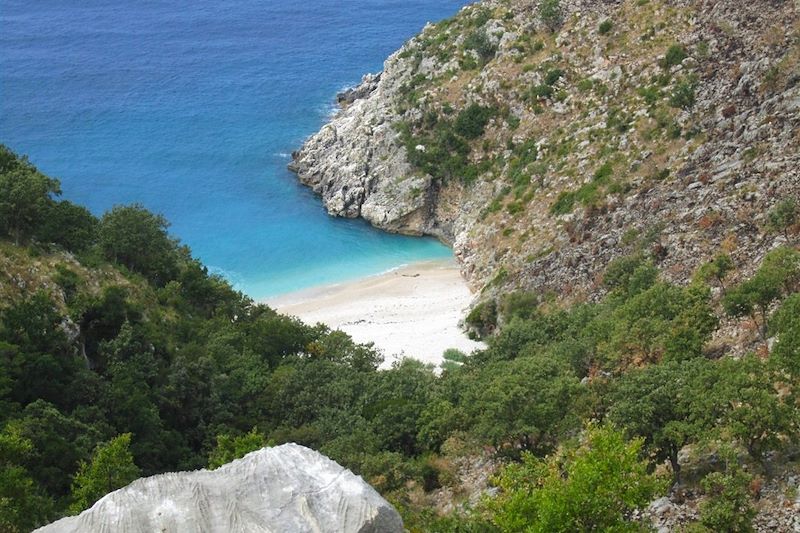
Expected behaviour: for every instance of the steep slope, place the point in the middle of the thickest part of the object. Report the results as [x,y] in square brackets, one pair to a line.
[543,141]
[287,488]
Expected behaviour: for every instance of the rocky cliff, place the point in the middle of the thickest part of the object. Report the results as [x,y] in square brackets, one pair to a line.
[543,141]
[288,488]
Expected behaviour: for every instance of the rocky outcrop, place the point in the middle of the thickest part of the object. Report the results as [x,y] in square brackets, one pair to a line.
[693,106]
[288,489]
[368,84]
[358,167]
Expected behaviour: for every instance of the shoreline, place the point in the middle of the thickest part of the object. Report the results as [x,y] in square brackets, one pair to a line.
[409,311]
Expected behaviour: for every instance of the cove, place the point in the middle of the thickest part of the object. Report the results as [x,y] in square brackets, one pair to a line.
[192,109]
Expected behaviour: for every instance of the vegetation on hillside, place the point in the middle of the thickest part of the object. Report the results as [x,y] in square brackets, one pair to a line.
[121,356]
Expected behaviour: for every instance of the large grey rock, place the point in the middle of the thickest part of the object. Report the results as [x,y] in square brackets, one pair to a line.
[288,489]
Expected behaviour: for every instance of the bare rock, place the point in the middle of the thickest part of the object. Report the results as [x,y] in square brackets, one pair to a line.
[288,488]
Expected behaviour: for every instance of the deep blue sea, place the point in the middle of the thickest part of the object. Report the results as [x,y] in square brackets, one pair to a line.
[192,109]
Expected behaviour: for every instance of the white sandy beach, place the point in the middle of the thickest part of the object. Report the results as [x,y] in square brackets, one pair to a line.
[409,312]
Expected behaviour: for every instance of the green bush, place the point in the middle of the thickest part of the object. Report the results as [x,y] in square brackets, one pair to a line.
[565,203]
[683,95]
[585,85]
[138,239]
[650,94]
[26,196]
[594,487]
[229,447]
[727,506]
[478,41]
[483,317]
[553,75]
[605,27]
[111,467]
[550,13]
[674,56]
[471,122]
[783,216]
[541,91]
[68,225]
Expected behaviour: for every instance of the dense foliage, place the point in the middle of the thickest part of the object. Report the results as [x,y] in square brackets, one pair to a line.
[131,360]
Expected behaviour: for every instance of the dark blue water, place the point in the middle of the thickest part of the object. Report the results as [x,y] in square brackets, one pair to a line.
[192,108]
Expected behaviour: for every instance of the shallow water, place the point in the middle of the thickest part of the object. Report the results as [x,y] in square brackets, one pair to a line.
[193,110]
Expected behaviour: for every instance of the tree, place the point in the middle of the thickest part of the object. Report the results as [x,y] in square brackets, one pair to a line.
[782,217]
[785,323]
[668,405]
[394,400]
[339,347]
[229,448]
[133,236]
[662,317]
[717,269]
[527,402]
[60,441]
[101,320]
[778,275]
[23,506]
[25,195]
[594,487]
[629,275]
[37,355]
[131,398]
[758,416]
[68,225]
[110,468]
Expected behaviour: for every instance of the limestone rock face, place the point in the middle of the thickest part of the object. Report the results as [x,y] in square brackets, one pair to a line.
[288,489]
[356,165]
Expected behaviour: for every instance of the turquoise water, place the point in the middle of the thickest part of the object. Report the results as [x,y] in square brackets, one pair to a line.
[193,108]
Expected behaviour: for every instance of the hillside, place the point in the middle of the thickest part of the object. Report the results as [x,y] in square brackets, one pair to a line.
[542,146]
[620,182]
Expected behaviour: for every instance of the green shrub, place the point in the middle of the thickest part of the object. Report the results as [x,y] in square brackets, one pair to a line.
[229,447]
[483,317]
[594,487]
[683,95]
[68,280]
[783,216]
[605,27]
[110,468]
[553,75]
[674,56]
[604,172]
[564,204]
[520,304]
[479,42]
[585,85]
[650,94]
[470,123]
[727,506]
[550,13]
[541,91]
[514,208]
[630,274]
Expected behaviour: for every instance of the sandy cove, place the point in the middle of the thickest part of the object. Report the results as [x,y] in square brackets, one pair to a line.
[412,311]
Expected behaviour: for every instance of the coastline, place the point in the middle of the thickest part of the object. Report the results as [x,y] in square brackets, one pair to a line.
[411,311]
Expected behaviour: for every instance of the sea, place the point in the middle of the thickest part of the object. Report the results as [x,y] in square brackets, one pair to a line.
[193,109]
